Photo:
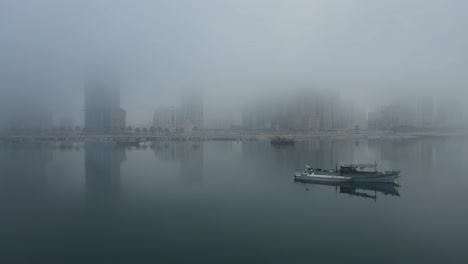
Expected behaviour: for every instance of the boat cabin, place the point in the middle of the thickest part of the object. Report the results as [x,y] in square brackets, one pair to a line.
[357,168]
[310,170]
[348,169]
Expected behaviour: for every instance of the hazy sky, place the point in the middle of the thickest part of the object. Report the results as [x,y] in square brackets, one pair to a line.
[235,50]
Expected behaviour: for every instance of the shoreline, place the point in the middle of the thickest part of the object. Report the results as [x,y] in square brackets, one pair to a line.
[231,136]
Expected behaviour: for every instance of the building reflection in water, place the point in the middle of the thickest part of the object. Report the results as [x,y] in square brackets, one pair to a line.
[318,153]
[363,190]
[24,202]
[23,170]
[325,153]
[102,168]
[188,153]
[413,156]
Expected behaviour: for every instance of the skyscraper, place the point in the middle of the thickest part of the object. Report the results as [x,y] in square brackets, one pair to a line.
[425,112]
[192,110]
[399,115]
[269,113]
[102,107]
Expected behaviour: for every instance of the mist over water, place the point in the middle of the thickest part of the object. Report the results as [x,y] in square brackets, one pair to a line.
[139,131]
[230,201]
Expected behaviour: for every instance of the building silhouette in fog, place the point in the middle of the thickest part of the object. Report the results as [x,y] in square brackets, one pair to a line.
[399,115]
[167,118]
[191,110]
[268,113]
[314,110]
[406,114]
[103,113]
[306,110]
[449,113]
[259,115]
[31,119]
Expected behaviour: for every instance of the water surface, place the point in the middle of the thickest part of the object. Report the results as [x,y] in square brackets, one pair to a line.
[233,202]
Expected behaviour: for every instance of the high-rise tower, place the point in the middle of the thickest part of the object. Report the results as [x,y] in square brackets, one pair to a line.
[102,107]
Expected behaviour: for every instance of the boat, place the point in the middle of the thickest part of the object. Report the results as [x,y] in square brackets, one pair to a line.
[347,173]
[282,141]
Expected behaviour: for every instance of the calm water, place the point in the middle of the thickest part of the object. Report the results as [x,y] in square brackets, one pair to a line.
[231,202]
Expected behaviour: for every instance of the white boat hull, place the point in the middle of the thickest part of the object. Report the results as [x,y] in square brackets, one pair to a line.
[321,178]
[335,178]
[345,174]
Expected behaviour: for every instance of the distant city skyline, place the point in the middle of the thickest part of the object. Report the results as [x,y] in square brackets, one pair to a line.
[311,109]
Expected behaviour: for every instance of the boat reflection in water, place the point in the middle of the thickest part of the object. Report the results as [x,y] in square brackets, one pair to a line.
[360,189]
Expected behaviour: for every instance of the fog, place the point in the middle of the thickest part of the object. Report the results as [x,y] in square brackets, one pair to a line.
[370,52]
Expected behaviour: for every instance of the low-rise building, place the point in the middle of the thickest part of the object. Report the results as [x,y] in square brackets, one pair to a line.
[167,118]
